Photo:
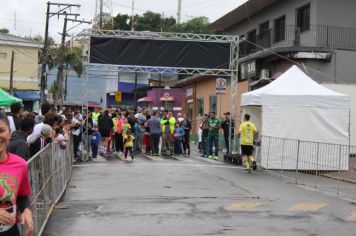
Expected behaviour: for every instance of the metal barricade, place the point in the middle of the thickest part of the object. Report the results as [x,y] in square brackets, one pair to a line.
[330,168]
[49,173]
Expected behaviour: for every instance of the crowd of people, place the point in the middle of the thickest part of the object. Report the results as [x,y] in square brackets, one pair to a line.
[159,133]
[23,135]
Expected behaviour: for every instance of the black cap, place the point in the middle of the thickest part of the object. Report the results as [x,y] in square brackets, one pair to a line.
[227,113]
[206,114]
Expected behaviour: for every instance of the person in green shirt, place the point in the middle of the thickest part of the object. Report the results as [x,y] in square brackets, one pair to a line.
[214,125]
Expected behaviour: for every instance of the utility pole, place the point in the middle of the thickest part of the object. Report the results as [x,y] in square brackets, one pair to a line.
[59,91]
[44,59]
[59,94]
[101,14]
[12,73]
[133,16]
[135,93]
[62,7]
[66,83]
[179,13]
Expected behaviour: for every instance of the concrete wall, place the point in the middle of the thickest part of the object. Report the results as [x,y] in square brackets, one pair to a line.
[336,13]
[25,67]
[273,12]
[351,91]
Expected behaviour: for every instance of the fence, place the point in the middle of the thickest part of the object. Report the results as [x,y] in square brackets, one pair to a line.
[327,167]
[49,174]
[320,36]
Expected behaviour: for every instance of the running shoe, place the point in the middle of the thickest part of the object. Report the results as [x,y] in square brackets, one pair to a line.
[210,157]
[216,158]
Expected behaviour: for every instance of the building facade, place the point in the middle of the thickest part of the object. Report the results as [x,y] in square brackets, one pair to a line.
[274,34]
[25,68]
[201,98]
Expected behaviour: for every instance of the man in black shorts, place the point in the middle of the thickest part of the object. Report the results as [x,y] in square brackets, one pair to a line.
[247,133]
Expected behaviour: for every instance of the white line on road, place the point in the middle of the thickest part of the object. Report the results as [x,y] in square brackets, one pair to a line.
[160,164]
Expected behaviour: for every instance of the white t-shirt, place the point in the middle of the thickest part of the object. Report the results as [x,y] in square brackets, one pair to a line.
[35,134]
[76,132]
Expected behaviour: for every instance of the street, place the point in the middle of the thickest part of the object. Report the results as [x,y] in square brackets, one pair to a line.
[192,197]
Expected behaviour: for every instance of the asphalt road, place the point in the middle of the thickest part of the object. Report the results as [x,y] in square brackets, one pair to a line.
[192,197]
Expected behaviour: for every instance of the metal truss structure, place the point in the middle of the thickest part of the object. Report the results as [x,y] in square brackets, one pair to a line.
[232,72]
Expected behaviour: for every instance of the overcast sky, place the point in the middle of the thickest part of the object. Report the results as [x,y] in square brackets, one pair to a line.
[30,14]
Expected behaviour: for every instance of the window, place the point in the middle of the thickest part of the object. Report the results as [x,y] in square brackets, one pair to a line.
[303,18]
[279,29]
[200,107]
[190,110]
[168,106]
[212,103]
[189,92]
[263,28]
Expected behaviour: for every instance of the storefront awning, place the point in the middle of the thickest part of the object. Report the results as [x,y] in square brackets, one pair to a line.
[145,99]
[28,95]
[167,99]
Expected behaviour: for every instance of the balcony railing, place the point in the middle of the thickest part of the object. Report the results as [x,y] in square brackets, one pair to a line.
[318,36]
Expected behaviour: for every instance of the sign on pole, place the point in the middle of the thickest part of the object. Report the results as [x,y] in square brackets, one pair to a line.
[220,86]
[118,96]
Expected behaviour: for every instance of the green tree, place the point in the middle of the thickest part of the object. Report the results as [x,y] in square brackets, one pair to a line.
[151,21]
[122,22]
[197,25]
[4,31]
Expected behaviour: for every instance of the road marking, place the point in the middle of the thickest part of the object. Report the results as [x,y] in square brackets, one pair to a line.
[242,206]
[157,164]
[352,216]
[308,206]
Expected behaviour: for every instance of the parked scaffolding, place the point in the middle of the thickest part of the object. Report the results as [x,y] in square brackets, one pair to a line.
[330,168]
[49,173]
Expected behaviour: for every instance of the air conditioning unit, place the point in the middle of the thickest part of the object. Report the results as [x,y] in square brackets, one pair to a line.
[265,74]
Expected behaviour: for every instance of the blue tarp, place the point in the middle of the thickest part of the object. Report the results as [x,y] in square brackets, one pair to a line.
[28,95]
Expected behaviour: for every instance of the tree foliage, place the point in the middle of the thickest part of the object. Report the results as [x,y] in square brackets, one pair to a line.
[154,22]
[4,31]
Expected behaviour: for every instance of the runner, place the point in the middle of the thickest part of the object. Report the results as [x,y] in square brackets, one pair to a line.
[213,136]
[247,133]
[14,187]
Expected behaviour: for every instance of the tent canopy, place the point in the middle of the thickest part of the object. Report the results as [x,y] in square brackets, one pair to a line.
[294,107]
[6,99]
[294,87]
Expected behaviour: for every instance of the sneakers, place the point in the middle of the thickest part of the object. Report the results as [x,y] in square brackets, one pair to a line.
[210,157]
[216,158]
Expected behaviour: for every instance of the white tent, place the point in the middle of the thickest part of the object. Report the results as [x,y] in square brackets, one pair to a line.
[295,107]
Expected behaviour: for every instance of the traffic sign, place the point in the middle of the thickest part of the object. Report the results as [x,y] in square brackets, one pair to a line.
[118,96]
[220,86]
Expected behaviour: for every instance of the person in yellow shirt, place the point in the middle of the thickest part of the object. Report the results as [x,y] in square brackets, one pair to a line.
[128,143]
[247,133]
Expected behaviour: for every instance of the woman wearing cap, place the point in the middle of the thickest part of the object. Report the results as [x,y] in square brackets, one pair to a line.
[14,187]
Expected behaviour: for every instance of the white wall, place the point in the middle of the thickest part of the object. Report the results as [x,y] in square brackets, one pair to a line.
[349,89]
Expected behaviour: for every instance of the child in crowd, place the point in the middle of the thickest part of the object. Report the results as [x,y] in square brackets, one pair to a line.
[128,143]
[125,126]
[95,141]
[178,139]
